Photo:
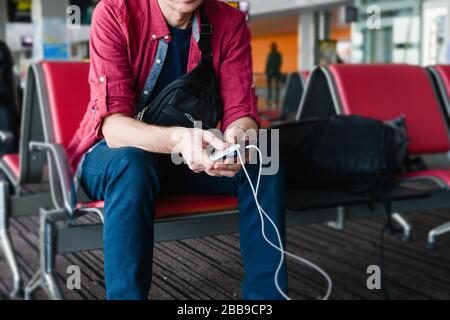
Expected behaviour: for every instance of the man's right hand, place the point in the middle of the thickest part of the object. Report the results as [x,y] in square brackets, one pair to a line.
[193,144]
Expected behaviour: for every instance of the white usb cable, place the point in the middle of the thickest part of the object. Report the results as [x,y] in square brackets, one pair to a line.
[280,248]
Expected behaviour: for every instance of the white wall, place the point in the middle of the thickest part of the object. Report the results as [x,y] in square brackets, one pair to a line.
[15,32]
[431,10]
[306,41]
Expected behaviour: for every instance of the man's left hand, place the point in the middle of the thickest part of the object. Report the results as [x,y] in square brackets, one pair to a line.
[237,133]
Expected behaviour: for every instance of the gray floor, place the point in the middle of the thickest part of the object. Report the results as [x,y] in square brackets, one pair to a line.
[210,268]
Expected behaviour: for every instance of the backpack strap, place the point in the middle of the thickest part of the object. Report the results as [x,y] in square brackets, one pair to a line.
[206,30]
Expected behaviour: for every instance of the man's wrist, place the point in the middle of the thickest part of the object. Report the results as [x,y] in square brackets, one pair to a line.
[176,137]
[245,123]
[241,129]
[167,139]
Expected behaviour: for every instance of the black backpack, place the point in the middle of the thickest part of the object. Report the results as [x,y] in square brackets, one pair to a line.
[194,96]
[350,153]
[345,153]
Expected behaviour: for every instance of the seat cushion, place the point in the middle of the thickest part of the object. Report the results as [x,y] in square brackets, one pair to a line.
[10,163]
[440,176]
[184,205]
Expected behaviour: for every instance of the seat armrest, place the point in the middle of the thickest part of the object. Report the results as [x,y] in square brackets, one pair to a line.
[6,137]
[63,179]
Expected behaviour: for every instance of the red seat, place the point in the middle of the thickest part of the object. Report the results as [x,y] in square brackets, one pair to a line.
[304,74]
[68,96]
[389,91]
[68,99]
[182,205]
[265,124]
[267,116]
[444,75]
[270,113]
[441,175]
[12,165]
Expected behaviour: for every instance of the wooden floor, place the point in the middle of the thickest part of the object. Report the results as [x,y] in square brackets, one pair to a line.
[210,268]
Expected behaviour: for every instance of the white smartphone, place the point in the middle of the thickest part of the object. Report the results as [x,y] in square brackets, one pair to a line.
[228,153]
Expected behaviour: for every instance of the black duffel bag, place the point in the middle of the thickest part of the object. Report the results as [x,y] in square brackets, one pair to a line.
[348,153]
[194,97]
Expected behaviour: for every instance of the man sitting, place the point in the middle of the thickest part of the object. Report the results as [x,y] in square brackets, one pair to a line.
[137,48]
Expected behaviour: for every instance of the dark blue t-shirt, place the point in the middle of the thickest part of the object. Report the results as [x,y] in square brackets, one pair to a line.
[175,64]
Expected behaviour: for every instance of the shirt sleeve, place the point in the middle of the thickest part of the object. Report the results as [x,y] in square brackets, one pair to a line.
[236,76]
[110,76]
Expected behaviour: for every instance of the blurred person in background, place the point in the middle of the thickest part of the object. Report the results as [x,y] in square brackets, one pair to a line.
[9,117]
[273,75]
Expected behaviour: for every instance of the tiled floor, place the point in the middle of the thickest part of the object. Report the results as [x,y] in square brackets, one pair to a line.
[210,268]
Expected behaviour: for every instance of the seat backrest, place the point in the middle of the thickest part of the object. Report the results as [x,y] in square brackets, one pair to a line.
[389,91]
[317,100]
[444,73]
[31,129]
[442,77]
[292,95]
[55,99]
[67,96]
[304,74]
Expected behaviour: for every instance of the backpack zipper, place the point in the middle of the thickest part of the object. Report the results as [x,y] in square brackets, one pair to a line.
[190,118]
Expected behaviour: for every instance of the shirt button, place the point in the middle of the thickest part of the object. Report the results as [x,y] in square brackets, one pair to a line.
[154,36]
[166,37]
[158,61]
[146,92]
[102,79]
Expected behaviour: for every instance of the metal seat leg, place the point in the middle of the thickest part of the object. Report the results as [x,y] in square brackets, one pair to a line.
[45,277]
[45,281]
[5,242]
[436,232]
[8,251]
[33,285]
[51,286]
[406,226]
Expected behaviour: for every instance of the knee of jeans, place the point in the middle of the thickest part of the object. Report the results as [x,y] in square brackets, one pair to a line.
[140,165]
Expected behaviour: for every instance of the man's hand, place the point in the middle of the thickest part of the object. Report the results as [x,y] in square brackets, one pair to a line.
[237,133]
[123,131]
[193,144]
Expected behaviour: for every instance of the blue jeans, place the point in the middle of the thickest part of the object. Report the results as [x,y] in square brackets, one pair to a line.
[130,180]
